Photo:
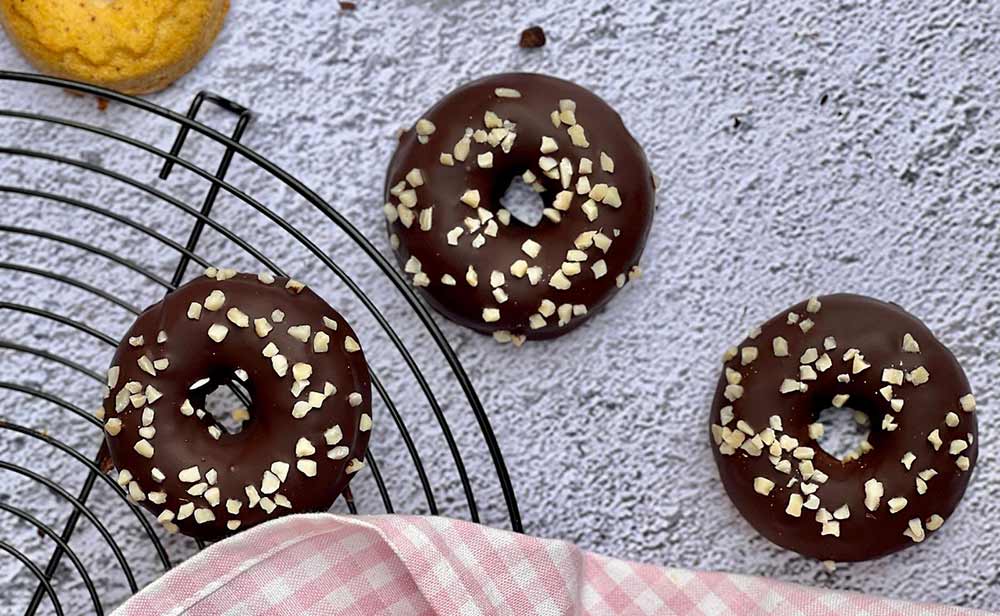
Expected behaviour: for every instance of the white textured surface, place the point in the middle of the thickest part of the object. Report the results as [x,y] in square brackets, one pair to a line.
[803,148]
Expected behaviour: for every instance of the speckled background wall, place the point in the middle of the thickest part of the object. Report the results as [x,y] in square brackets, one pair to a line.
[803,148]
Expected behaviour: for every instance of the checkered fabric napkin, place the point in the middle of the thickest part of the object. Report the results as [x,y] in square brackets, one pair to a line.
[325,564]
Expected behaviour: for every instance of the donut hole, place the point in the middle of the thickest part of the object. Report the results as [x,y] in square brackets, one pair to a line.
[844,431]
[523,202]
[224,400]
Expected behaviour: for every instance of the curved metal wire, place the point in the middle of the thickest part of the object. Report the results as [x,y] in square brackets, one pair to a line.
[187,253]
[383,394]
[369,455]
[51,534]
[161,552]
[83,509]
[33,568]
[387,268]
[285,226]
[83,286]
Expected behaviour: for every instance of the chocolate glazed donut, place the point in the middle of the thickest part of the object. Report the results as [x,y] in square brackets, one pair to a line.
[304,434]
[848,351]
[485,269]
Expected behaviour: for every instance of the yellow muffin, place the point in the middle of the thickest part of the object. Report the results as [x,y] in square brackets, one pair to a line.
[133,46]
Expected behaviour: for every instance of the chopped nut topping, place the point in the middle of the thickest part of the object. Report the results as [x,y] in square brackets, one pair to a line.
[803,453]
[893,376]
[333,435]
[113,426]
[301,408]
[570,268]
[794,507]
[425,127]
[238,317]
[565,172]
[873,494]
[471,198]
[951,419]
[907,459]
[910,344]
[829,343]
[600,269]
[215,300]
[575,132]
[507,92]
[338,453]
[763,485]
[491,315]
[780,347]
[918,376]
[935,439]
[559,281]
[968,403]
[306,467]
[962,462]
[496,279]
[813,305]
[915,530]
[300,332]
[790,386]
[415,178]
[897,504]
[607,164]
[461,149]
[426,218]
[957,446]
[185,511]
[562,200]
[269,483]
[934,522]
[748,355]
[280,365]
[189,475]
[218,332]
[321,342]
[531,248]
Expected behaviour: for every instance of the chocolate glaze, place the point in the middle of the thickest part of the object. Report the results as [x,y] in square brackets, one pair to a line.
[444,185]
[271,432]
[877,329]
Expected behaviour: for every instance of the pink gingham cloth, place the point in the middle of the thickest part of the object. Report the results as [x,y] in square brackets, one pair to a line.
[372,565]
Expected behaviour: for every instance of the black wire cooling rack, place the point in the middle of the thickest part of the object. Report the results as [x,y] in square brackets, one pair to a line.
[91,462]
